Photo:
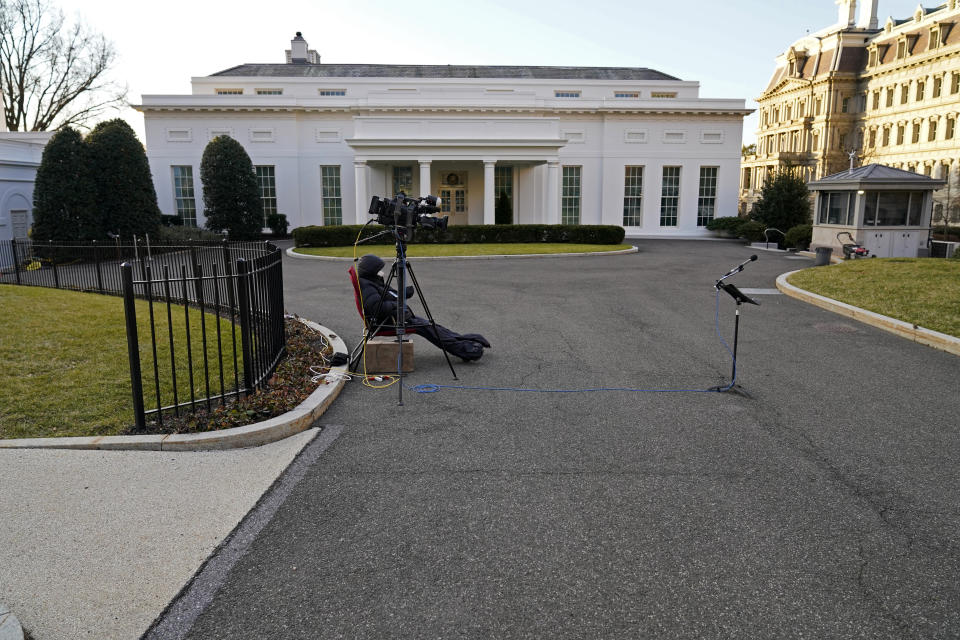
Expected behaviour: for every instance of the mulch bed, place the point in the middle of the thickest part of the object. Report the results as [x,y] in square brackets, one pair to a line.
[290,385]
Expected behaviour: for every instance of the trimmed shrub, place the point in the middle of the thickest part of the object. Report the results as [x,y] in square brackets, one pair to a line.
[278,224]
[180,235]
[730,224]
[784,202]
[126,202]
[63,192]
[346,235]
[799,237]
[167,220]
[753,231]
[231,197]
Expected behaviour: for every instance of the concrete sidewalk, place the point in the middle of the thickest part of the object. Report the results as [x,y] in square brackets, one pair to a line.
[94,544]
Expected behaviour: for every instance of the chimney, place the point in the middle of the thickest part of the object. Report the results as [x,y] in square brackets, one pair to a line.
[298,49]
[868,15]
[848,11]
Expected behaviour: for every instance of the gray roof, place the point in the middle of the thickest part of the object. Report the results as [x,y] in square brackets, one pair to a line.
[441,71]
[877,173]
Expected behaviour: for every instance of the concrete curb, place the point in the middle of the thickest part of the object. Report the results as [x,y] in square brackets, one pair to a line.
[903,329]
[300,256]
[10,628]
[252,435]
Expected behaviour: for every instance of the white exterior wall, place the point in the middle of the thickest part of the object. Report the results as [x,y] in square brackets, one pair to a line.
[20,155]
[456,125]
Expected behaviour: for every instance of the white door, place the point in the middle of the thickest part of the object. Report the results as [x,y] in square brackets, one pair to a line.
[904,244]
[454,204]
[20,224]
[877,242]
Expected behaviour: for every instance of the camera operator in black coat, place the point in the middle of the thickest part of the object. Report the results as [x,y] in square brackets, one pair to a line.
[380,303]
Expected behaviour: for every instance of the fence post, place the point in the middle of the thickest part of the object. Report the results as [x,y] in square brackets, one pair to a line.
[243,295]
[53,261]
[96,259]
[16,259]
[133,347]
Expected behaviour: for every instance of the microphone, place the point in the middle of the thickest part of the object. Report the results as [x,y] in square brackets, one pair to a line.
[737,269]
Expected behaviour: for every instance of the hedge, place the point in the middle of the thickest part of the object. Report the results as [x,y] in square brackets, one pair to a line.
[346,235]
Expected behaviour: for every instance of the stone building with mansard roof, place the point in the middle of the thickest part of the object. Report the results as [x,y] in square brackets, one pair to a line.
[590,145]
[885,93]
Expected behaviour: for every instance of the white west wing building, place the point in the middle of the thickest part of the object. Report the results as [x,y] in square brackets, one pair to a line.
[583,145]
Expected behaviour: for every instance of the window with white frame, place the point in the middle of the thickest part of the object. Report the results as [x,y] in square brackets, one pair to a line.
[626,94]
[183,194]
[267,183]
[669,196]
[633,197]
[570,196]
[707,199]
[330,195]
[503,181]
[332,93]
[403,180]
[269,92]
[229,92]
[566,94]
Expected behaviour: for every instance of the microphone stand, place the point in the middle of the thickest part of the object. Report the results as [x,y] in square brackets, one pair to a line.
[740,298]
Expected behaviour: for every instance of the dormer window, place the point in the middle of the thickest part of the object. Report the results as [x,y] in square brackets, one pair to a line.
[872,57]
[901,48]
[934,37]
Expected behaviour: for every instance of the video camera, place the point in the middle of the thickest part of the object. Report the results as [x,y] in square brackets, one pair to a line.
[408,212]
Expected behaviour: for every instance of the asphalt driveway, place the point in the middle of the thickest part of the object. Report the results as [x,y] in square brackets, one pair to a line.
[820,502]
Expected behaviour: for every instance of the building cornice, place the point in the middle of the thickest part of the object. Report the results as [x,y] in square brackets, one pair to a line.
[359,109]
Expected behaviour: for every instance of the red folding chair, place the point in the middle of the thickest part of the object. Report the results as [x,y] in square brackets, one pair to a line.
[370,327]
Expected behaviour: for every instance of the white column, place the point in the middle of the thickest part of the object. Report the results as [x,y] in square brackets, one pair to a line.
[360,180]
[552,214]
[489,199]
[425,178]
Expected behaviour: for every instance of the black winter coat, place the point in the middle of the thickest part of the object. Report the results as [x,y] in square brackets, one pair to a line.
[372,290]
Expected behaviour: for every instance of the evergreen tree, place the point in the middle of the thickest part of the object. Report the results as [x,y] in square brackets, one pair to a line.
[231,197]
[784,202]
[503,211]
[63,193]
[126,202]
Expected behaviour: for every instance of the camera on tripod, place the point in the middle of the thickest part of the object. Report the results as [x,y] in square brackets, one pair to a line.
[408,212]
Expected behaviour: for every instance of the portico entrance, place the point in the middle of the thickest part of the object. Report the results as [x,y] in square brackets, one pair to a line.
[453,193]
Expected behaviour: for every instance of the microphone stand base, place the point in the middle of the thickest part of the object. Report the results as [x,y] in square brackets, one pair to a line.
[735,389]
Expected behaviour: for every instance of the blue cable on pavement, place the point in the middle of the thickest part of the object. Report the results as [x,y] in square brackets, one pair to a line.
[435,388]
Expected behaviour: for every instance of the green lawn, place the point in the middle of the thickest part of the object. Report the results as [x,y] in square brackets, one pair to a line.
[479,249]
[924,292]
[65,368]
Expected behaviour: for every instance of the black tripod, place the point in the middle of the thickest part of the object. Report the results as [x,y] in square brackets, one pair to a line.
[401,267]
[740,298]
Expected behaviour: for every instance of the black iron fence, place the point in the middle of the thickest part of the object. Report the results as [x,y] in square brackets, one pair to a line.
[212,320]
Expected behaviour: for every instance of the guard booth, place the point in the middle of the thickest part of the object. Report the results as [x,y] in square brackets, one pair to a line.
[886,210]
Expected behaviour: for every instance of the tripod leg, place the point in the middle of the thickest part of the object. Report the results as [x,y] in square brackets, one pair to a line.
[736,336]
[433,323]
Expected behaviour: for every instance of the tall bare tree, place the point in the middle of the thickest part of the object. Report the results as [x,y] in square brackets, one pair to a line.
[52,73]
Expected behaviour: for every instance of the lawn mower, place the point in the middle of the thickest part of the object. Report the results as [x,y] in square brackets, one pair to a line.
[852,249]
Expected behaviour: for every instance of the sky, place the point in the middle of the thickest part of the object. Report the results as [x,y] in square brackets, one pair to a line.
[728,47]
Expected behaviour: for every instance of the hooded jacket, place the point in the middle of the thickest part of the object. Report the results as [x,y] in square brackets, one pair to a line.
[378,299]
